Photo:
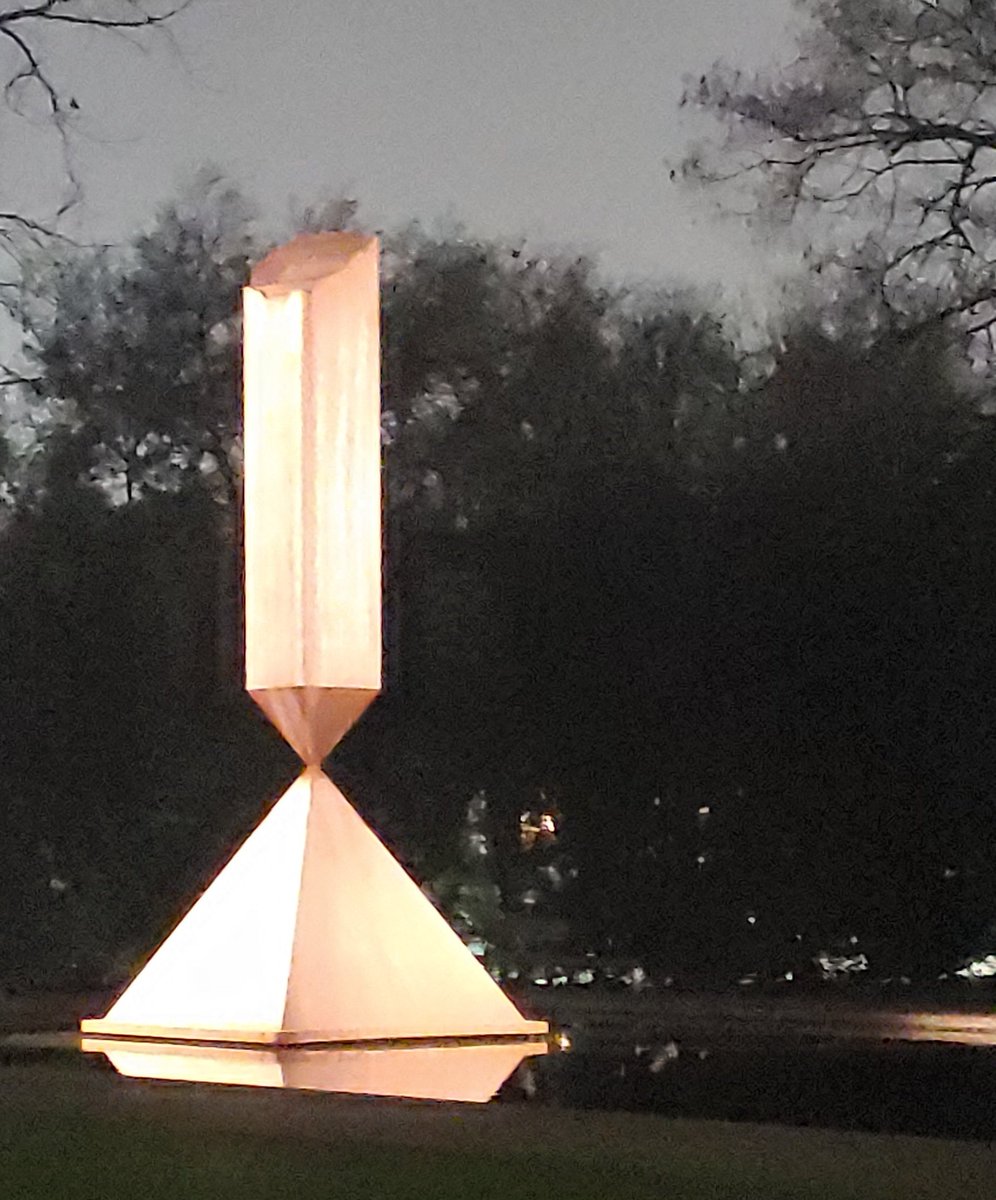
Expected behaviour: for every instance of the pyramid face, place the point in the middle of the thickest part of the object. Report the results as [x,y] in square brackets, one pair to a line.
[371,949]
[313,719]
[226,966]
[313,932]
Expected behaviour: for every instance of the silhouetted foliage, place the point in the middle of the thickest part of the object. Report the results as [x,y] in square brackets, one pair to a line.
[735,632]
[883,125]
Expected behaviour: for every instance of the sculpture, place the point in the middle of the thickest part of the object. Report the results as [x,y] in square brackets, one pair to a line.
[313,932]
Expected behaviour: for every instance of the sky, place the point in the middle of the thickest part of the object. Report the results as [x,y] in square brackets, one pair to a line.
[556,120]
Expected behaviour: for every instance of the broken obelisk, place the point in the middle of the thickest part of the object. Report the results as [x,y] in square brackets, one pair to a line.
[313,932]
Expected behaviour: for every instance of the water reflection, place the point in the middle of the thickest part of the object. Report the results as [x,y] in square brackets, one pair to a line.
[472,1073]
[966,1029]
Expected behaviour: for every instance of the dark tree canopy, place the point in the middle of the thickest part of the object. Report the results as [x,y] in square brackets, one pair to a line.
[626,572]
[143,345]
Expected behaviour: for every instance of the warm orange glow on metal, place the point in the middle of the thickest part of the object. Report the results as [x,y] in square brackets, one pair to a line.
[313,932]
[312,487]
[466,1073]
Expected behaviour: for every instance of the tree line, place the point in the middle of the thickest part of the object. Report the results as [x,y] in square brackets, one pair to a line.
[728,613]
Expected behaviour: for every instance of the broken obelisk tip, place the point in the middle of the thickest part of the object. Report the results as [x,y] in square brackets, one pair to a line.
[310,257]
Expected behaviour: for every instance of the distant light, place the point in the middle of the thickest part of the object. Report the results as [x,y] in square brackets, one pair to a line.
[752,920]
[562,1041]
[664,1055]
[704,810]
[840,964]
[700,859]
[983,968]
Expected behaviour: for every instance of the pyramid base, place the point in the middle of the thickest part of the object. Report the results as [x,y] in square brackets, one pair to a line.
[528,1032]
[313,934]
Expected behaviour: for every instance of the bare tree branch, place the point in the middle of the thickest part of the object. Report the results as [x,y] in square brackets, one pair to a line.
[887,117]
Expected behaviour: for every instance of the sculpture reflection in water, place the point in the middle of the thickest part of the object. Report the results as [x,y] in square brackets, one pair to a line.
[468,1073]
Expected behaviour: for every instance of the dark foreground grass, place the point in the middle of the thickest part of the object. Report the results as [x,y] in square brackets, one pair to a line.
[102,1163]
[101,1160]
[70,1135]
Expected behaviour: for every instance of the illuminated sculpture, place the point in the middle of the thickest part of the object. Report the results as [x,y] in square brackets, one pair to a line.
[313,932]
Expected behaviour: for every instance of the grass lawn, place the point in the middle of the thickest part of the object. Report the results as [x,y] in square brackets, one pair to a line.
[103,1163]
[100,1141]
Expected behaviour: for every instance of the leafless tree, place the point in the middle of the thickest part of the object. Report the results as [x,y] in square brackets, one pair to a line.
[35,91]
[31,84]
[886,119]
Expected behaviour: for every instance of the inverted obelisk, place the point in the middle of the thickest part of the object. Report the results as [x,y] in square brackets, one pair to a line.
[312,487]
[313,932]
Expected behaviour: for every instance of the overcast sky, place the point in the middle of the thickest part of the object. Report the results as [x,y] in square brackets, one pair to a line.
[545,118]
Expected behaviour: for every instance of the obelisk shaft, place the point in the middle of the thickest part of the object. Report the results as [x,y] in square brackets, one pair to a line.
[312,486]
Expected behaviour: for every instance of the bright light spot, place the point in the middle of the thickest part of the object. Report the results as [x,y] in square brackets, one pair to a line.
[704,810]
[700,859]
[635,977]
[585,976]
[562,1041]
[982,968]
[666,1054]
[536,827]
[752,920]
